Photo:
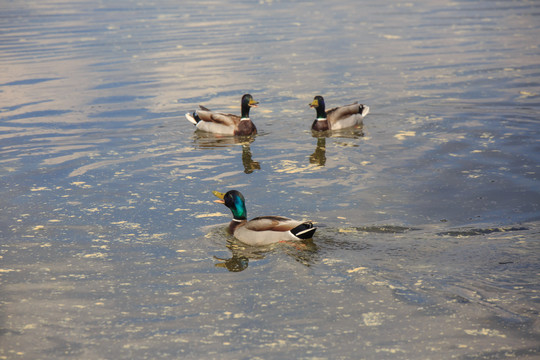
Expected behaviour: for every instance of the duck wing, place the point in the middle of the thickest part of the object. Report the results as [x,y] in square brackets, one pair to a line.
[271,223]
[346,116]
[342,112]
[218,118]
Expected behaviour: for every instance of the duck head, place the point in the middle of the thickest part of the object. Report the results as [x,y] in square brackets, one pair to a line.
[318,104]
[235,201]
[247,103]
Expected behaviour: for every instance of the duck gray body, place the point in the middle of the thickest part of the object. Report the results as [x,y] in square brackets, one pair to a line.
[263,230]
[226,124]
[337,118]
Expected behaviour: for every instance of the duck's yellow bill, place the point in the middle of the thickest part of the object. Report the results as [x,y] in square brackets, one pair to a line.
[315,103]
[253,103]
[219,195]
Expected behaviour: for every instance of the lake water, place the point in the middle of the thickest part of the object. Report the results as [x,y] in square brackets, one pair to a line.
[428,244]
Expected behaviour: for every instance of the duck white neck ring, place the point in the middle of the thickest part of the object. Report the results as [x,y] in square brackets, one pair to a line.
[244,119]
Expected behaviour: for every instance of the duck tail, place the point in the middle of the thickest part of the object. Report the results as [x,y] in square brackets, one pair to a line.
[304,231]
[193,118]
[364,110]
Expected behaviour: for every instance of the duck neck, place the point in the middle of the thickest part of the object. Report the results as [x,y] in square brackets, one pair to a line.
[239,211]
[245,112]
[321,113]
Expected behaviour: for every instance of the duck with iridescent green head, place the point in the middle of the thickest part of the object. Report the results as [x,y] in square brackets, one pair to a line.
[337,118]
[263,230]
[226,124]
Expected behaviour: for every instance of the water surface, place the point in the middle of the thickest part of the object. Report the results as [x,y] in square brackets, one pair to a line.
[428,215]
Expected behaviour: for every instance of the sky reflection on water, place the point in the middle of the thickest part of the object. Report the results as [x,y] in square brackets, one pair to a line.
[427,244]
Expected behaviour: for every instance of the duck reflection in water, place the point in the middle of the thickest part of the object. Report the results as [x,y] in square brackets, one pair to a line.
[209,141]
[304,252]
[319,155]
[249,164]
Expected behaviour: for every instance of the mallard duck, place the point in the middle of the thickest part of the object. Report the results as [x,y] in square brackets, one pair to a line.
[226,124]
[263,230]
[339,117]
